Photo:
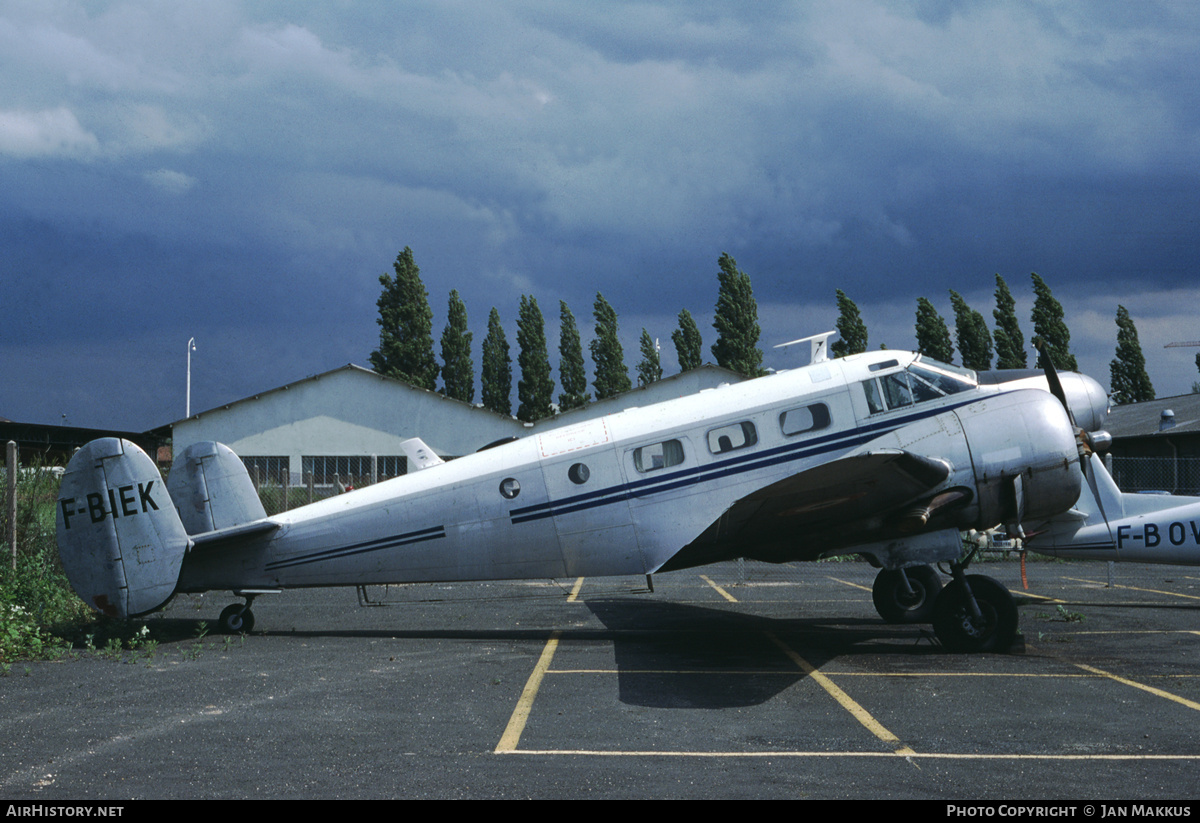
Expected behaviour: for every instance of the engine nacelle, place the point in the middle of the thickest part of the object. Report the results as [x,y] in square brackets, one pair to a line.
[1025,457]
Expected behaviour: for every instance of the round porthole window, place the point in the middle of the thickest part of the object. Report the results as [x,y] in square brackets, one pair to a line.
[579,474]
[510,488]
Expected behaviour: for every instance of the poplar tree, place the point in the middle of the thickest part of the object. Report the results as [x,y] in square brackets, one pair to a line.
[535,389]
[458,370]
[1130,382]
[688,345]
[850,327]
[736,321]
[570,362]
[405,326]
[497,368]
[933,338]
[1010,342]
[650,369]
[974,340]
[1049,327]
[612,376]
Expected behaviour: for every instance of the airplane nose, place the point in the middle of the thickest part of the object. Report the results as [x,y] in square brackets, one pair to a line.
[1087,399]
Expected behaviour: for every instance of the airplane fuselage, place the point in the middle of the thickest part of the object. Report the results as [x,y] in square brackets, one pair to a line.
[623,494]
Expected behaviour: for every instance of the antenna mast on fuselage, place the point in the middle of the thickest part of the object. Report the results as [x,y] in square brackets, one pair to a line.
[820,345]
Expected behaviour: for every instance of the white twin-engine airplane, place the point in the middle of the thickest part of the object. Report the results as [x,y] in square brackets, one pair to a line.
[885,454]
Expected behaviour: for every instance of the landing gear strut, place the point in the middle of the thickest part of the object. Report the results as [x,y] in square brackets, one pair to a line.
[906,595]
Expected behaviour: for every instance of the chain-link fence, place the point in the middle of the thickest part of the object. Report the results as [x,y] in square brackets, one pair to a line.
[1179,475]
[280,494]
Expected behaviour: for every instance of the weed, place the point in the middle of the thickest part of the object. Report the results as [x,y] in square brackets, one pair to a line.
[39,613]
[193,651]
[1062,613]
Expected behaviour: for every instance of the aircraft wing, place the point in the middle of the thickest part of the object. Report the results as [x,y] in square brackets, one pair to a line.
[800,517]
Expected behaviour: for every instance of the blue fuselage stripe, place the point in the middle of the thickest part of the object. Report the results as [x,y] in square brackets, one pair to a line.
[727,468]
[394,541]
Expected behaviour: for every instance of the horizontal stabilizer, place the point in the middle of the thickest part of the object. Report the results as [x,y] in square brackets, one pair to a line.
[212,489]
[207,539]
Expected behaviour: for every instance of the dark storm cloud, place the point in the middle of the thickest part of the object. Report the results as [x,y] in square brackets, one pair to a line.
[242,173]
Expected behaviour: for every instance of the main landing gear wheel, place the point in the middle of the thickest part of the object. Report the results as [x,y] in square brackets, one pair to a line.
[237,619]
[912,603]
[959,630]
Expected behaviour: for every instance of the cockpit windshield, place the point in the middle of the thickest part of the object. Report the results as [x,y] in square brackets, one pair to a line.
[922,381]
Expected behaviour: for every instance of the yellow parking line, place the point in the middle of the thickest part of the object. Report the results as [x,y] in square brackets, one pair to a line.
[848,703]
[1183,701]
[1136,588]
[848,583]
[720,591]
[575,590]
[1180,758]
[516,723]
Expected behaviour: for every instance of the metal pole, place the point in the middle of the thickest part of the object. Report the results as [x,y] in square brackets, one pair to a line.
[191,347]
[11,532]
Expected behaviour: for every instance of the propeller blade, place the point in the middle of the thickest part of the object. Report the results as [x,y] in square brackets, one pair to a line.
[1089,471]
[1052,377]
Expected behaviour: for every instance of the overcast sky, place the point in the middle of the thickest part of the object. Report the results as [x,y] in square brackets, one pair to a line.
[242,173]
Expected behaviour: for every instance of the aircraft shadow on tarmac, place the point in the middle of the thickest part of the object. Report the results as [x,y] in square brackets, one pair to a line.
[672,655]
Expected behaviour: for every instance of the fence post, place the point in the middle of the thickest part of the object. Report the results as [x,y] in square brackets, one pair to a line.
[11,463]
[310,487]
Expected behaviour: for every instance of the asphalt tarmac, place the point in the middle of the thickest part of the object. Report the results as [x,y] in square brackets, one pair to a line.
[724,682]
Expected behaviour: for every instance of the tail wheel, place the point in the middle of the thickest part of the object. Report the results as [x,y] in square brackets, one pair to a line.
[237,619]
[959,631]
[896,604]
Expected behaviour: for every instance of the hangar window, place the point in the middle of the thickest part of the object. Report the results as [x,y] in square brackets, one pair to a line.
[359,469]
[267,469]
[804,419]
[659,456]
[733,437]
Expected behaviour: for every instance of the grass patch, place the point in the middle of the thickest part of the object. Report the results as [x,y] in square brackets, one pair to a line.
[40,615]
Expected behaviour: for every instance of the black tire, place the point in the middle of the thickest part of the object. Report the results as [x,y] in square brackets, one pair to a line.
[897,606]
[237,619]
[958,632]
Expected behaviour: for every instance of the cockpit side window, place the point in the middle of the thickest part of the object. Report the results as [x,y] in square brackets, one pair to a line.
[897,390]
[915,384]
[944,383]
[874,398]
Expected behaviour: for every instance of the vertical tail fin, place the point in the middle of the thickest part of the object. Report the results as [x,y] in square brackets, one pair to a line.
[120,540]
[212,489]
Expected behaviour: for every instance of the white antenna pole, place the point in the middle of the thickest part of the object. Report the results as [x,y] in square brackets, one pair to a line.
[191,347]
